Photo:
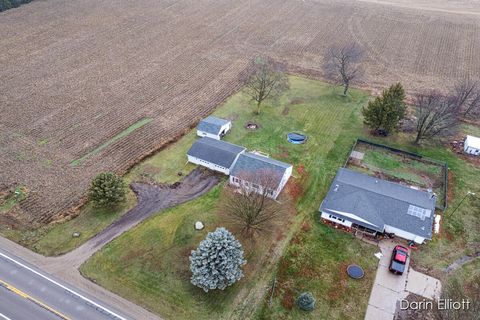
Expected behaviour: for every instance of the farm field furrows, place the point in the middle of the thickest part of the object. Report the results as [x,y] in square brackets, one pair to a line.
[76,74]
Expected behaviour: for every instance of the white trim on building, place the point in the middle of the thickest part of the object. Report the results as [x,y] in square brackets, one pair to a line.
[236,181]
[335,219]
[223,130]
[472,145]
[208,165]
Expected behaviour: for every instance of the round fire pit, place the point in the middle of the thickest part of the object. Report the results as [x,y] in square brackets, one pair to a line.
[355,271]
[252,126]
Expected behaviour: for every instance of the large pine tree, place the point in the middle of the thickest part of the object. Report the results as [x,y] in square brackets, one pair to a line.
[217,262]
[384,113]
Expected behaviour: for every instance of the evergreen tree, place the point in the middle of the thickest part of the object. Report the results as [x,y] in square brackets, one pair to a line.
[383,114]
[107,188]
[217,261]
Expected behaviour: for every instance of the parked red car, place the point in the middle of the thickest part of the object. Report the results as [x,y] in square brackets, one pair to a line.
[399,259]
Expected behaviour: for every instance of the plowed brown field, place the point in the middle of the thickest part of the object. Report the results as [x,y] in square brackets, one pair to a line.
[74,74]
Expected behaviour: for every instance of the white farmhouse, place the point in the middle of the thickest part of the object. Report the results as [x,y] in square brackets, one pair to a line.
[252,166]
[472,145]
[213,127]
[214,154]
[374,206]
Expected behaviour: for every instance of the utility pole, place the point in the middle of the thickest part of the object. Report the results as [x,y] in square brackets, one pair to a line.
[469,193]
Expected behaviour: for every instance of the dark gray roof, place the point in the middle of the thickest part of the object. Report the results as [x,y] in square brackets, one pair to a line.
[212,124]
[250,162]
[378,202]
[215,151]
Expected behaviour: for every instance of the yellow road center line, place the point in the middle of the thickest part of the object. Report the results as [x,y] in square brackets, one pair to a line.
[37,302]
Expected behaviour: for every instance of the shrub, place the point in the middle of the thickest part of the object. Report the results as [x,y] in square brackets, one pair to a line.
[217,262]
[107,188]
[384,113]
[306,301]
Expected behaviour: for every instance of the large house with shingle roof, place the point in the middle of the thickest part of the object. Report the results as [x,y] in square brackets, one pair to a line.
[366,203]
[244,168]
[213,127]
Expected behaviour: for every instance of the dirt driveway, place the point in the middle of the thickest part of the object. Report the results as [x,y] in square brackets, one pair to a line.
[388,289]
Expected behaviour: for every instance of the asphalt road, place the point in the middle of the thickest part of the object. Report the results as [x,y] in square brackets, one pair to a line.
[27,293]
[11,303]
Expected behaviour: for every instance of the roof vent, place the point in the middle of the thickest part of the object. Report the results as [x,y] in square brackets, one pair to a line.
[259,153]
[336,188]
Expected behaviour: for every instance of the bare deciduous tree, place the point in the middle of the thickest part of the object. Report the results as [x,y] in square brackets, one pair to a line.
[342,65]
[437,116]
[249,204]
[264,79]
[467,96]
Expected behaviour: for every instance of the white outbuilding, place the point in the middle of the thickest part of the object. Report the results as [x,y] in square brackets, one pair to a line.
[213,127]
[472,145]
[214,154]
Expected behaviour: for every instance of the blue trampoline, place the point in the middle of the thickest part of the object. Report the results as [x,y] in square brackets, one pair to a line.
[296,138]
[355,272]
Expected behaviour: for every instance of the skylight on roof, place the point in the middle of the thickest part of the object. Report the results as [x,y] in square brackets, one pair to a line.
[419,212]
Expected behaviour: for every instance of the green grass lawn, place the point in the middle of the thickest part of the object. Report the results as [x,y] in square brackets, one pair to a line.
[149,264]
[470,129]
[10,199]
[56,239]
[164,166]
[401,168]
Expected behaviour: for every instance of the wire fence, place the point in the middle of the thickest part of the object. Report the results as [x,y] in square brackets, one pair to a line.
[442,205]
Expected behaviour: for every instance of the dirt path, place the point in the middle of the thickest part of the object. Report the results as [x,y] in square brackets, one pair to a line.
[460,262]
[151,199]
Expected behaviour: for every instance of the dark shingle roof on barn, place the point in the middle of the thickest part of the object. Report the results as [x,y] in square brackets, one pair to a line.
[378,202]
[215,151]
[250,163]
[212,125]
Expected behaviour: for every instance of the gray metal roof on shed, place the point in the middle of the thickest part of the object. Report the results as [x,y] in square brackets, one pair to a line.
[250,162]
[378,202]
[215,151]
[212,125]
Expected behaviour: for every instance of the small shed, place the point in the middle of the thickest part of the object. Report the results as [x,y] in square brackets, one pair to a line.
[472,145]
[213,127]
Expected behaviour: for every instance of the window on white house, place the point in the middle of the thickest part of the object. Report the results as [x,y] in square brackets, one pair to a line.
[336,218]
